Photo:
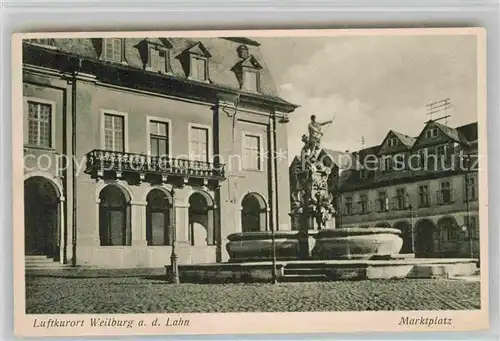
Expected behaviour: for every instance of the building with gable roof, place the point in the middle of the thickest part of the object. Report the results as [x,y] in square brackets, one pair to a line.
[426,186]
[127,139]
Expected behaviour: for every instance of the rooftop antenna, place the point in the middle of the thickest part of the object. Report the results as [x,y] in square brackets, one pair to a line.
[442,106]
[362,142]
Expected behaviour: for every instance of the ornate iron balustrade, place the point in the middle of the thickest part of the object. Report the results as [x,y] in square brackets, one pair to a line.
[101,161]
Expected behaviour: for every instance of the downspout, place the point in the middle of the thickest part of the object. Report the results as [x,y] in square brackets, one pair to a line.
[272,166]
[73,153]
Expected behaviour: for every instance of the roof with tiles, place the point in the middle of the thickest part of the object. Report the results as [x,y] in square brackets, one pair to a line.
[222,51]
[408,141]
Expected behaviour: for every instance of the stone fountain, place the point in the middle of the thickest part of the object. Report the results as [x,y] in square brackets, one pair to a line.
[316,247]
[314,235]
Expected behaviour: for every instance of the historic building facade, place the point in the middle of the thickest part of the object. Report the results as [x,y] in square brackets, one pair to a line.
[426,186]
[131,145]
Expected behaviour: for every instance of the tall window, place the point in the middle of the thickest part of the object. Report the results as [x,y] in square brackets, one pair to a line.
[382,201]
[39,124]
[158,138]
[114,213]
[198,144]
[113,49]
[363,203]
[400,199]
[250,80]
[348,205]
[471,188]
[114,133]
[423,196]
[158,60]
[445,193]
[199,68]
[251,152]
[158,209]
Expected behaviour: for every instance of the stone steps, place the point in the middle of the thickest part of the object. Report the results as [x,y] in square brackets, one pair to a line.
[42,262]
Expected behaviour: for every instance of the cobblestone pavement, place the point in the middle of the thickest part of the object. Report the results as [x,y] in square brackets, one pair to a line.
[150,293]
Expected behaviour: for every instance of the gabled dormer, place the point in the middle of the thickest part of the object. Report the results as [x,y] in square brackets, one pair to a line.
[395,142]
[435,133]
[247,70]
[155,55]
[195,62]
[111,49]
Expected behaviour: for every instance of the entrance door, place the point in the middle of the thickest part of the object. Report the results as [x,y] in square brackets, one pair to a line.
[41,214]
[426,239]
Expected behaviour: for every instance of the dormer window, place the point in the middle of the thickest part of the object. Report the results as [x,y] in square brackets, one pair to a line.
[392,142]
[431,133]
[198,68]
[250,80]
[195,62]
[113,50]
[158,60]
[155,54]
[248,74]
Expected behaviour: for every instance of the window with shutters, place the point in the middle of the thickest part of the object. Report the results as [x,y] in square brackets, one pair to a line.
[423,196]
[39,132]
[114,132]
[400,200]
[199,143]
[363,204]
[113,49]
[158,59]
[199,68]
[445,193]
[382,201]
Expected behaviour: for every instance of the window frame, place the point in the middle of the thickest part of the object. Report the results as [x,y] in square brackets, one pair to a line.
[104,55]
[260,137]
[125,127]
[209,144]
[158,49]
[246,70]
[205,60]
[52,144]
[168,121]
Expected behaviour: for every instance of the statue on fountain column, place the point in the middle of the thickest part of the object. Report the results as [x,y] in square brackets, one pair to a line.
[315,133]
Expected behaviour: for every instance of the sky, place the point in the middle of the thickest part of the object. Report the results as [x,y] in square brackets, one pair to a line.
[371,84]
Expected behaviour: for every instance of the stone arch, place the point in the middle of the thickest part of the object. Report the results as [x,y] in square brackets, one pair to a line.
[159,212]
[425,238]
[127,191]
[53,181]
[406,234]
[254,212]
[43,216]
[165,191]
[448,235]
[208,197]
[114,216]
[201,221]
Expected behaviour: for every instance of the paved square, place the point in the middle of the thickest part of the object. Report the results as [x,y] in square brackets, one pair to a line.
[151,294]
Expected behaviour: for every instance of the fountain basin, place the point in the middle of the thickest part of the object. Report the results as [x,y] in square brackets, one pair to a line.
[258,246]
[357,243]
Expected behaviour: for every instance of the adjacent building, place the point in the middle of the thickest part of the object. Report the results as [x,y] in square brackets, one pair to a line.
[426,186]
[132,144]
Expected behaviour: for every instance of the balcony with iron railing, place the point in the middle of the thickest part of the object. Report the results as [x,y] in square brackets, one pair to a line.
[102,162]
